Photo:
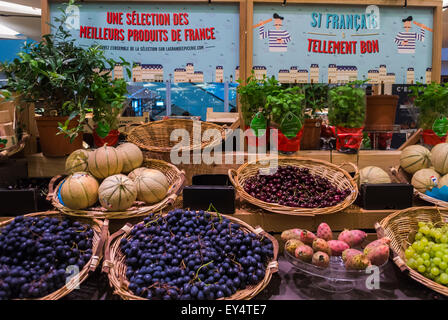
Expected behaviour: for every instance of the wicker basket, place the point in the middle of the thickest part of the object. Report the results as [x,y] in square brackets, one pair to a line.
[401,176]
[155,137]
[100,233]
[9,152]
[114,264]
[334,173]
[401,228]
[175,178]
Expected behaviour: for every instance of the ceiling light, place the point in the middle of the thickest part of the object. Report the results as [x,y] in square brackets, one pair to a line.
[8,33]
[17,8]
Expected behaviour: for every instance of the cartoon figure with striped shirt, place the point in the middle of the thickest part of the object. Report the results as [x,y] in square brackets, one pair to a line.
[406,40]
[278,38]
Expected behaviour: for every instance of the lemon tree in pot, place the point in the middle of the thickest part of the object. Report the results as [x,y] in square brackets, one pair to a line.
[432,102]
[287,112]
[56,76]
[347,109]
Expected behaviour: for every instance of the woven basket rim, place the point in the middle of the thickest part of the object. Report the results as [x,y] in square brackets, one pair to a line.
[202,145]
[399,259]
[277,208]
[97,226]
[121,289]
[417,193]
[140,211]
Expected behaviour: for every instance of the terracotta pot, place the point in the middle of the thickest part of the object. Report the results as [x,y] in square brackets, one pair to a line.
[311,134]
[380,112]
[111,139]
[52,143]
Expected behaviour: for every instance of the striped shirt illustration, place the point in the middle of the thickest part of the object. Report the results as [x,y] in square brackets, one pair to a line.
[411,38]
[274,35]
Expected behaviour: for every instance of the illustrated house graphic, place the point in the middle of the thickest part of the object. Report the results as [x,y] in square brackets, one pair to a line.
[410,76]
[188,74]
[219,74]
[260,72]
[428,75]
[314,73]
[118,71]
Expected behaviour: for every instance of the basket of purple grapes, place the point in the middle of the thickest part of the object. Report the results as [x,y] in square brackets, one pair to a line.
[45,256]
[190,255]
[296,185]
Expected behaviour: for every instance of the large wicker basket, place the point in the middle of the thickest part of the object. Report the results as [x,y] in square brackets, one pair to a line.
[401,228]
[114,264]
[154,138]
[9,152]
[100,234]
[338,176]
[401,176]
[175,178]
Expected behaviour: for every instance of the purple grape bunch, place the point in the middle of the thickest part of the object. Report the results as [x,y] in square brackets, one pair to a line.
[193,255]
[295,187]
[35,254]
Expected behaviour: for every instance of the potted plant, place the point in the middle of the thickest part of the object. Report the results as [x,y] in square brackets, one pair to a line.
[56,76]
[380,111]
[347,108]
[316,95]
[253,94]
[287,111]
[108,101]
[432,101]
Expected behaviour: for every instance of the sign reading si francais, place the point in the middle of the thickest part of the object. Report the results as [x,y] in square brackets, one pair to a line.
[301,43]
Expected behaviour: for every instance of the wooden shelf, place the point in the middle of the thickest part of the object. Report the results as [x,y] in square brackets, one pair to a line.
[40,166]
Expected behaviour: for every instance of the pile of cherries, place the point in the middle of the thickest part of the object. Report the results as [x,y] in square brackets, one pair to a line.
[295,187]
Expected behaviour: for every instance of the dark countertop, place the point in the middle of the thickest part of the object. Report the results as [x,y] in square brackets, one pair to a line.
[289,284]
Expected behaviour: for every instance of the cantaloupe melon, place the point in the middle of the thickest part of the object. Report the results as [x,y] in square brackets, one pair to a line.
[77,161]
[136,172]
[117,193]
[104,162]
[425,179]
[373,175]
[439,158]
[414,158]
[79,191]
[132,156]
[443,181]
[152,186]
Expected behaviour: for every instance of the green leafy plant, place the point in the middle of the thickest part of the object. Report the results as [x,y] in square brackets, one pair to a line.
[432,101]
[316,97]
[108,98]
[5,95]
[347,105]
[282,101]
[253,94]
[57,75]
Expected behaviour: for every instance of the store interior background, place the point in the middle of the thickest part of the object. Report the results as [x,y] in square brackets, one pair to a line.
[20,20]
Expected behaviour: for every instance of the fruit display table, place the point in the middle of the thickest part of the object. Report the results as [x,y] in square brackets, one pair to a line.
[288,284]
[41,166]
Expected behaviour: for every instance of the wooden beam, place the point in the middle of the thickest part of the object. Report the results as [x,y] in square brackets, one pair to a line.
[395,3]
[45,17]
[437,45]
[243,52]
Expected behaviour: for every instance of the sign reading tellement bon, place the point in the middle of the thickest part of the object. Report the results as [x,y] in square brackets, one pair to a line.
[338,44]
[187,43]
